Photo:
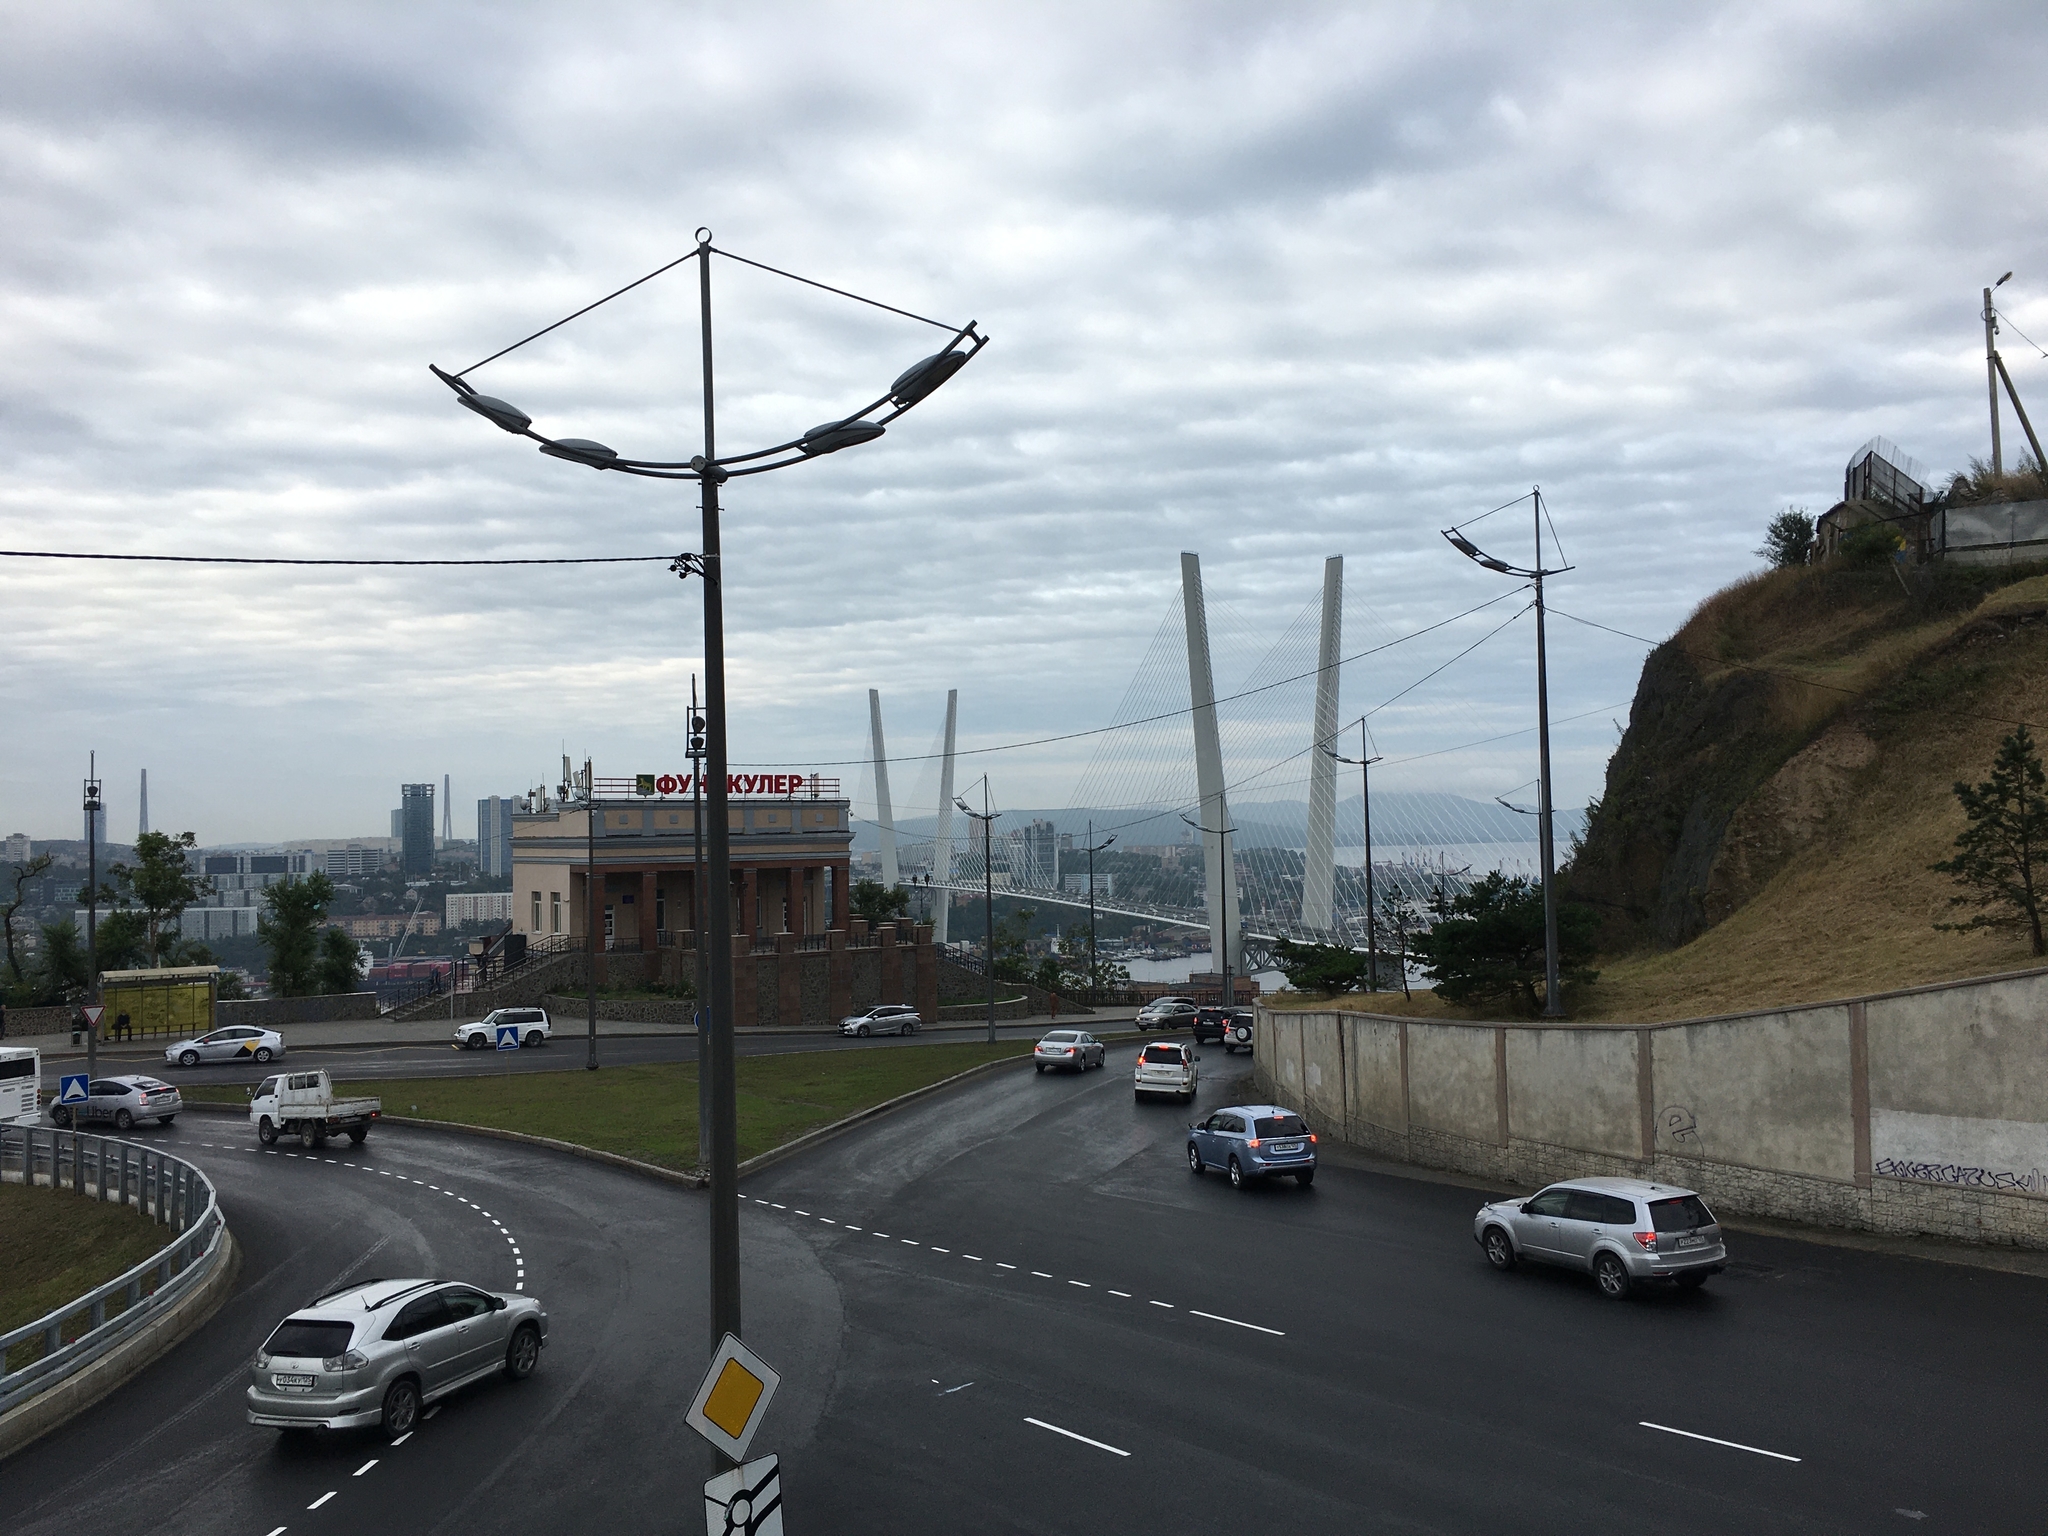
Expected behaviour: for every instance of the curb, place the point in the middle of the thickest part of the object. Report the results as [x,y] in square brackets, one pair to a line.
[23,1425]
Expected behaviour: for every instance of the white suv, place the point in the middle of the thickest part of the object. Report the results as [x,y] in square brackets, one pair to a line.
[1165,1066]
[482,1034]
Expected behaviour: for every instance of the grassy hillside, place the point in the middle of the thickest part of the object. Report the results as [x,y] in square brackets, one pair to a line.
[1784,784]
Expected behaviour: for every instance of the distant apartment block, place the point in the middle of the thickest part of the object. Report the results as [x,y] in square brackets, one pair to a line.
[19,850]
[416,856]
[355,859]
[1105,884]
[494,836]
[479,907]
[387,925]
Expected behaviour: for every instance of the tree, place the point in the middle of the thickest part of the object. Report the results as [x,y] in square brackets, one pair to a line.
[60,971]
[160,882]
[1789,538]
[1012,933]
[289,926]
[1999,854]
[1488,946]
[23,873]
[121,940]
[340,965]
[1395,919]
[1075,976]
[1871,546]
[879,903]
[1321,968]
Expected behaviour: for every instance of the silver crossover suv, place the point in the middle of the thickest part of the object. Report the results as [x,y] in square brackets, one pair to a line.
[377,1352]
[1253,1141]
[1624,1231]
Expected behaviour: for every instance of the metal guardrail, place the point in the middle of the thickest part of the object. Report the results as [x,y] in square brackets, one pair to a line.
[168,1189]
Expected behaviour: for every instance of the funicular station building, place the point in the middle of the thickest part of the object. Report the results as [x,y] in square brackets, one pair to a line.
[791,841]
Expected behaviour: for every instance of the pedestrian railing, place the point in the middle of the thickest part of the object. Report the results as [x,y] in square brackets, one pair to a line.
[38,1355]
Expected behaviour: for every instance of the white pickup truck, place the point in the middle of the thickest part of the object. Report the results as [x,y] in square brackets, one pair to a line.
[303,1104]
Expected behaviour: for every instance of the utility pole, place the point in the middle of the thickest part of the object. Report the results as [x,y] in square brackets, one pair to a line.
[93,812]
[1222,834]
[1364,761]
[1991,372]
[697,927]
[987,816]
[1553,996]
[590,889]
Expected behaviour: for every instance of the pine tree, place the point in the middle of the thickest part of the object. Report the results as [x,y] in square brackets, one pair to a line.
[1999,855]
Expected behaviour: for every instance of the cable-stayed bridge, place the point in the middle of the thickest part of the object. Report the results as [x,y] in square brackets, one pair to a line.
[1224,813]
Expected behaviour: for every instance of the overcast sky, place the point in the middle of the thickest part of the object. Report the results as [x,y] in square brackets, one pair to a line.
[1266,282]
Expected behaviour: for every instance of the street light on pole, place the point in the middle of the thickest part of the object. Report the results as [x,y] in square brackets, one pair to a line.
[1229,997]
[697,1011]
[1363,762]
[710,470]
[1553,999]
[987,816]
[94,810]
[1094,848]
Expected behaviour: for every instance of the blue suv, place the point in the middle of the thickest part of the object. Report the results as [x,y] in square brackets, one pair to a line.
[1253,1141]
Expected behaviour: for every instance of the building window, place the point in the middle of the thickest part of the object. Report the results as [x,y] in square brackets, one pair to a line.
[554,911]
[536,911]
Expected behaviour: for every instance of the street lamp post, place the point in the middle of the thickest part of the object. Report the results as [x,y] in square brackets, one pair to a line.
[94,810]
[709,470]
[593,900]
[1363,762]
[987,817]
[696,755]
[1094,974]
[1553,999]
[1229,998]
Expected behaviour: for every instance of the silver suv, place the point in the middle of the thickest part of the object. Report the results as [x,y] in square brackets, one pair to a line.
[1624,1231]
[482,1034]
[376,1353]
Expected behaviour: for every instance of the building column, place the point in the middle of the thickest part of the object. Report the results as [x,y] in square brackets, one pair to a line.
[925,956]
[789,993]
[746,975]
[892,964]
[645,901]
[750,903]
[838,976]
[842,888]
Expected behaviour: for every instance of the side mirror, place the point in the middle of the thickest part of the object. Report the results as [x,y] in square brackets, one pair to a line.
[498,1303]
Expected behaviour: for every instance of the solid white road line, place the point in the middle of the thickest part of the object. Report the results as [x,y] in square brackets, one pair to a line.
[1255,1328]
[330,1493]
[359,1471]
[1733,1445]
[1099,1445]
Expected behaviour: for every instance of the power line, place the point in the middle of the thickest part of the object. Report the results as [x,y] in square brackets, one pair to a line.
[54,554]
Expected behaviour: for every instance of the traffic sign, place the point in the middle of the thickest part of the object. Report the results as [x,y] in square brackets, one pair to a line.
[733,1397]
[71,1088]
[93,1013]
[508,1037]
[747,1501]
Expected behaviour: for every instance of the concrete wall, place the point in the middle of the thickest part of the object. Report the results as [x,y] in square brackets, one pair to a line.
[1922,1111]
[274,1012]
[38,1021]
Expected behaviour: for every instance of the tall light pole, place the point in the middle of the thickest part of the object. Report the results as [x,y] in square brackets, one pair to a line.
[1553,999]
[1094,975]
[1991,371]
[710,471]
[1229,873]
[697,926]
[1364,762]
[987,816]
[592,894]
[94,810]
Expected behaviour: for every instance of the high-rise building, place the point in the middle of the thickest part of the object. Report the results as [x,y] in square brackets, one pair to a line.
[398,824]
[1041,856]
[416,831]
[494,835]
[19,850]
[447,811]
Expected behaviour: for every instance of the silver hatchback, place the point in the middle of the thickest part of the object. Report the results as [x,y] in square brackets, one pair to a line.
[1623,1232]
[377,1353]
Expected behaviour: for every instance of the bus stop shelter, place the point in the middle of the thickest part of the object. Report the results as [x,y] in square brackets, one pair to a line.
[176,1001]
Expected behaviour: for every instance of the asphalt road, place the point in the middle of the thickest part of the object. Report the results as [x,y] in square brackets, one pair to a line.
[567,1053]
[957,1292]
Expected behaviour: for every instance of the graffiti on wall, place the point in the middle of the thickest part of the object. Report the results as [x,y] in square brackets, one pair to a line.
[1963,1151]
[2034,1182]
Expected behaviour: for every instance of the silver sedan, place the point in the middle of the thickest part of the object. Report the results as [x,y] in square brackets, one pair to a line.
[1074,1048]
[237,1042]
[123,1100]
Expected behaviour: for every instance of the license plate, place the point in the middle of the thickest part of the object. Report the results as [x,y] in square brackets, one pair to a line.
[293,1383]
[1692,1242]
[1286,1146]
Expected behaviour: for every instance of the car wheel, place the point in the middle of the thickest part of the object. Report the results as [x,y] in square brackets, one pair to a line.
[1236,1175]
[1306,1177]
[263,1053]
[401,1407]
[59,1115]
[473,1042]
[1499,1248]
[1137,1096]
[266,1131]
[535,1040]
[188,1058]
[523,1353]
[1194,1158]
[165,1119]
[1040,1066]
[123,1120]
[306,1137]
[862,1030]
[1693,1281]
[356,1133]
[1612,1277]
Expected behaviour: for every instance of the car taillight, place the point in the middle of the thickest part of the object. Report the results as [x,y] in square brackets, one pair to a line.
[1311,1138]
[1253,1142]
[1647,1239]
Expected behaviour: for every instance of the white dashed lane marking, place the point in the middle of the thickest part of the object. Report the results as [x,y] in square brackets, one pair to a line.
[1083,1285]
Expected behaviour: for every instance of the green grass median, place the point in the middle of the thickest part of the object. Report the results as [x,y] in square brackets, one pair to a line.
[61,1245]
[650,1111]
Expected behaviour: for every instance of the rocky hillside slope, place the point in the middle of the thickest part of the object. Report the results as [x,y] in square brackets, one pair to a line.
[1784,782]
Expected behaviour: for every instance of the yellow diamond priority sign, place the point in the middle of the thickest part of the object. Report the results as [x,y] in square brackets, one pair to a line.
[733,1397]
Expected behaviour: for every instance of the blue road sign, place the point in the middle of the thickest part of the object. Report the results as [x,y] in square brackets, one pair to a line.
[71,1088]
[508,1037]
